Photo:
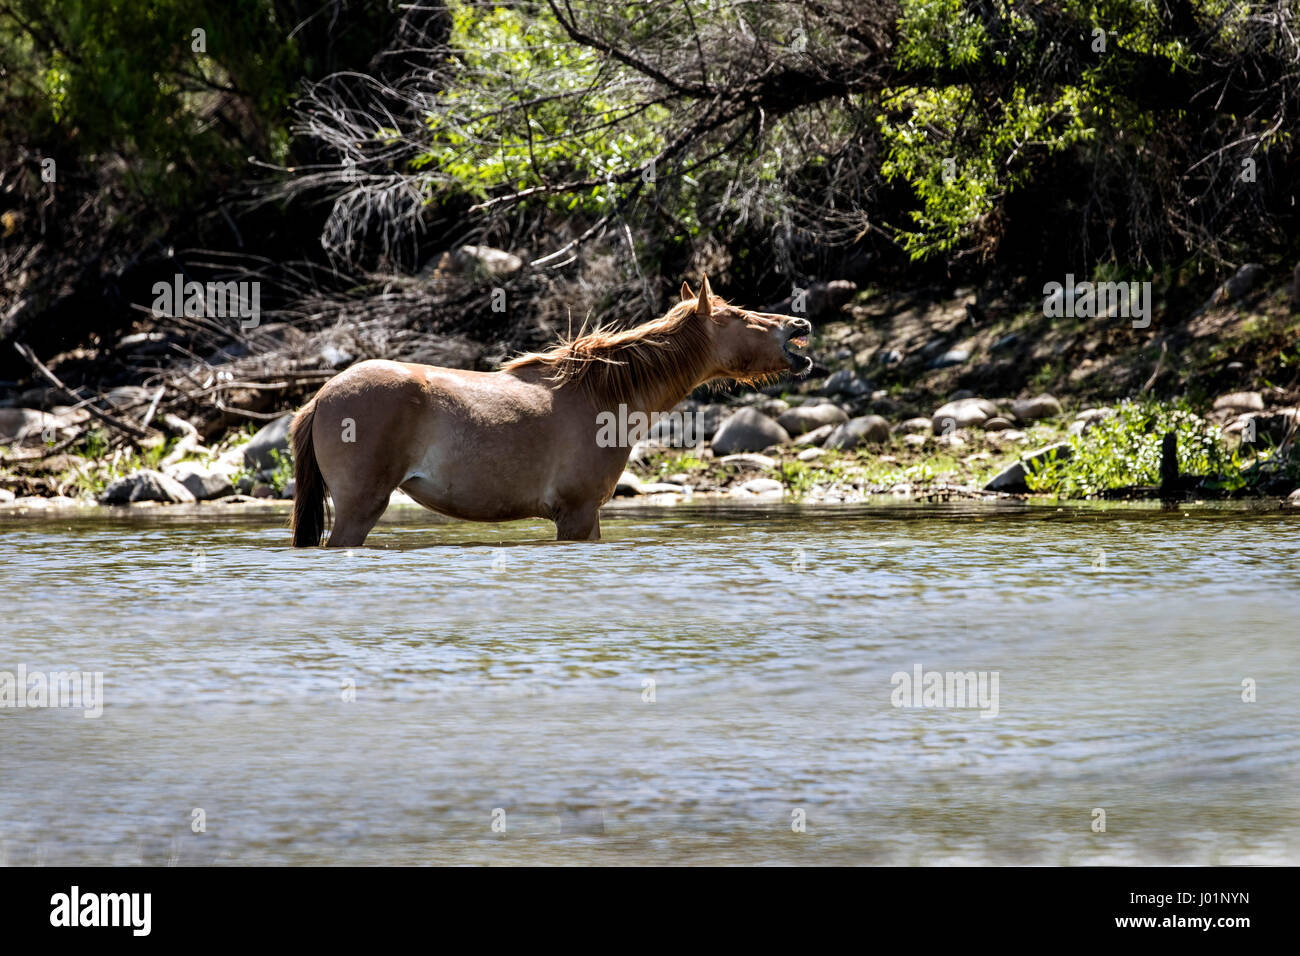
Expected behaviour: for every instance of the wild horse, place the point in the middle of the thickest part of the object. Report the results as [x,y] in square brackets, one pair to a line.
[520,442]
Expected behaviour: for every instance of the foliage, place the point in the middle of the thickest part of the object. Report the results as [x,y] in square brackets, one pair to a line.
[1125,449]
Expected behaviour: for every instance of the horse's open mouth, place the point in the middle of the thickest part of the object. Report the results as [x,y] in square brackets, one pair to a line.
[799,363]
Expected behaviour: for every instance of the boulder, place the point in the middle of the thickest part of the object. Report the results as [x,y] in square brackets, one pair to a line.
[1237,402]
[478,262]
[846,382]
[628,485]
[660,488]
[816,436]
[819,299]
[272,437]
[858,431]
[950,358]
[771,407]
[1244,281]
[963,413]
[889,357]
[761,462]
[1032,409]
[146,485]
[805,418]
[1266,427]
[762,486]
[997,424]
[748,430]
[204,483]
[914,426]
[1012,478]
[26,426]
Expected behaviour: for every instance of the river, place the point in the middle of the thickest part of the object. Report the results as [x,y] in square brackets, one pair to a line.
[710,684]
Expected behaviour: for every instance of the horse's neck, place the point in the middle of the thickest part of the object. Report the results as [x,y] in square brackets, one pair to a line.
[661,396]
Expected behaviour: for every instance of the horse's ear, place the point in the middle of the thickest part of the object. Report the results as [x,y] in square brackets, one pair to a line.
[687,294]
[704,305]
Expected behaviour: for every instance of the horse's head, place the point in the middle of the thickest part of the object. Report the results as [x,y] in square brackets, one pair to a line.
[751,345]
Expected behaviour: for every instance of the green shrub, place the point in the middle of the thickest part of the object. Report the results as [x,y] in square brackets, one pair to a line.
[1125,449]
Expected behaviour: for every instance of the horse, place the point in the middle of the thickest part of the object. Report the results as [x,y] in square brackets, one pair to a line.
[520,442]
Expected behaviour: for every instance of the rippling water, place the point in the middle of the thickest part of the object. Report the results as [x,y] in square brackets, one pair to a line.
[697,688]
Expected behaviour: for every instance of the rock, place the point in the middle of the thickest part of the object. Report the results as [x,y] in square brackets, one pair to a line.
[204,483]
[915,441]
[1032,409]
[950,440]
[810,454]
[748,430]
[628,485]
[997,424]
[289,489]
[846,382]
[335,356]
[27,426]
[805,418]
[146,485]
[914,426]
[856,431]
[1293,499]
[660,488]
[819,299]
[262,491]
[1238,402]
[1014,434]
[816,436]
[772,407]
[272,437]
[1012,478]
[762,486]
[1245,280]
[761,462]
[950,358]
[480,262]
[35,501]
[6,496]
[1270,428]
[963,413]
[889,357]
[1006,341]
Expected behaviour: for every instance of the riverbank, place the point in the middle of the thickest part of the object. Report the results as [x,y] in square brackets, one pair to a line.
[919,395]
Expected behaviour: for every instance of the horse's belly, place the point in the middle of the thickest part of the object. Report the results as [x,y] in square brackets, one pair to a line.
[470,501]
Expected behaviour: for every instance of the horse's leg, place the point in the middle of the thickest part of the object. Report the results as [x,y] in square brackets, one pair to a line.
[579,524]
[354,516]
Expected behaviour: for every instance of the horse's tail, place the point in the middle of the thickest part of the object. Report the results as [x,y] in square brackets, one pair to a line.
[309,485]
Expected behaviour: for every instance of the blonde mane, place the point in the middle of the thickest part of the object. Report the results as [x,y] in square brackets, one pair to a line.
[665,354]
